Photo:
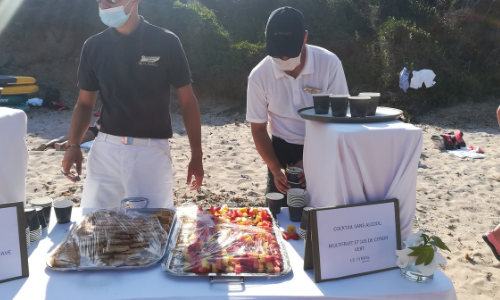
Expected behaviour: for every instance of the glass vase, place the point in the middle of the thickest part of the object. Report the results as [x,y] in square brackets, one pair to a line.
[412,273]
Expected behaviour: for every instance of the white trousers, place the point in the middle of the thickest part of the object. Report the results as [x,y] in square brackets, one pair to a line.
[116,171]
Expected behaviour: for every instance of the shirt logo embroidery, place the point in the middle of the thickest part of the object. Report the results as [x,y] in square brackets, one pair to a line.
[151,61]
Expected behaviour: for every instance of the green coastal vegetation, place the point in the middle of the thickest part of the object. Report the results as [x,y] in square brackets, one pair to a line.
[224,39]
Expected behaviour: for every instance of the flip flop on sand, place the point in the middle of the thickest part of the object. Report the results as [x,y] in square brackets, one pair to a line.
[491,241]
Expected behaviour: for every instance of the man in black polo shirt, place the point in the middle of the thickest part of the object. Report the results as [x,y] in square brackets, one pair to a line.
[132,65]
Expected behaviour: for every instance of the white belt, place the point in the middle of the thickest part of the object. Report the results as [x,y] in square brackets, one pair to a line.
[126,140]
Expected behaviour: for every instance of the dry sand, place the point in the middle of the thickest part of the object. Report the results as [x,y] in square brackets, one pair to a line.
[457,199]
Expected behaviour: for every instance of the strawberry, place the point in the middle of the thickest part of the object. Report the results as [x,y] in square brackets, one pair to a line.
[286,235]
[237,269]
[295,236]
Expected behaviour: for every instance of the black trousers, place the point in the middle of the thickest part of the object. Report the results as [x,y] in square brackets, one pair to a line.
[288,154]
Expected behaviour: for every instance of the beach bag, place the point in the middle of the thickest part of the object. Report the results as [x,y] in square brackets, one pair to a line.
[449,141]
[52,98]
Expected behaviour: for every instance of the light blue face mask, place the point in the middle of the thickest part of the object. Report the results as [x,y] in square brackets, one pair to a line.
[115,16]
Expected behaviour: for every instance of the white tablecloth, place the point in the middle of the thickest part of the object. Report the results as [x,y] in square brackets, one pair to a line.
[357,163]
[13,155]
[153,283]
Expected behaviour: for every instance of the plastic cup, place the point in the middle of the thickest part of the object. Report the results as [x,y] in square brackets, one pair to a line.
[321,103]
[359,106]
[32,218]
[339,105]
[63,211]
[292,174]
[274,202]
[373,103]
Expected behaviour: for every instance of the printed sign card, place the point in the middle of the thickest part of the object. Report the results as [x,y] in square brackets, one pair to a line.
[13,250]
[353,240]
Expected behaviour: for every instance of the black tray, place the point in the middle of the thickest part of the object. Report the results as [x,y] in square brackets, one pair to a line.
[383,114]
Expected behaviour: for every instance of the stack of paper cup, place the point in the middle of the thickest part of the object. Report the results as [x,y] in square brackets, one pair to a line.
[46,204]
[296,197]
[296,200]
[34,224]
[304,222]
[27,236]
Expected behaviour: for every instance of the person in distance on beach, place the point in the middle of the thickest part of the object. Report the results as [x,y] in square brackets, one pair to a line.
[280,85]
[132,65]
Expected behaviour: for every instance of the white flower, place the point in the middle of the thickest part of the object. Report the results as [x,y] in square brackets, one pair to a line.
[403,257]
[432,267]
[414,240]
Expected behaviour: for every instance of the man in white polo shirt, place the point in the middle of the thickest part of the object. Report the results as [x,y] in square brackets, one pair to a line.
[280,85]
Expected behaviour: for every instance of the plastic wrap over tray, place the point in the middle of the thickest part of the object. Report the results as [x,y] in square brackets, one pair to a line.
[226,241]
[114,239]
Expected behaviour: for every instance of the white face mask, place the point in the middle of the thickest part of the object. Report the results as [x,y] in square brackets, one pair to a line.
[288,65]
[115,16]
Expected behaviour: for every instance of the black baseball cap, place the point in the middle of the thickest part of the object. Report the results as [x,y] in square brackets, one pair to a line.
[285,32]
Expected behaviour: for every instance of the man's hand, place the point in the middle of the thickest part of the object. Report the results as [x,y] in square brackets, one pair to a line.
[302,176]
[192,123]
[80,122]
[281,181]
[73,156]
[195,169]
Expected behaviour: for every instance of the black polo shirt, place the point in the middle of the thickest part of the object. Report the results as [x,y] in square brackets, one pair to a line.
[133,75]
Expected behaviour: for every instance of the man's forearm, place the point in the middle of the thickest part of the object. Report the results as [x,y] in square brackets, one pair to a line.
[192,122]
[80,122]
[265,148]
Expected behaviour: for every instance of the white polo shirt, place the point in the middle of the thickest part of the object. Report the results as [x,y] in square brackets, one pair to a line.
[275,97]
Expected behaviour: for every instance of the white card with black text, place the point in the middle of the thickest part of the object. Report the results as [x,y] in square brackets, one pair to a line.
[10,252]
[357,239]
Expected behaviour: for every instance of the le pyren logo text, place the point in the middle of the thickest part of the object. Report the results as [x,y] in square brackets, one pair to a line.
[151,61]
[5,252]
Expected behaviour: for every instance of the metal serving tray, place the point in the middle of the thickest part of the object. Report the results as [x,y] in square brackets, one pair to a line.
[144,210]
[174,236]
[383,114]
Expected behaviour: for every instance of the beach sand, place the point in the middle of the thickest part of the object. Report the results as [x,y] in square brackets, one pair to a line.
[457,199]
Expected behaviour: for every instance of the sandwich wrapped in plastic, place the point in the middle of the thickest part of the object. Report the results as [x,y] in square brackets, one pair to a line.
[114,238]
[224,240]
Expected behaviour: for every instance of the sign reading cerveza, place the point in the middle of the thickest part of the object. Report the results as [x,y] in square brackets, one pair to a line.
[354,240]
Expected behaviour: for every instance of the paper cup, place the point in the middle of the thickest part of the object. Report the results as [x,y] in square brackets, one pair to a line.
[41,216]
[321,104]
[359,106]
[63,211]
[274,202]
[32,218]
[295,213]
[305,218]
[46,204]
[339,105]
[296,197]
[294,185]
[292,174]
[373,103]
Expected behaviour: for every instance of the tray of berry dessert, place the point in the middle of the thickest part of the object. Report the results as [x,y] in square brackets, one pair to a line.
[223,241]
